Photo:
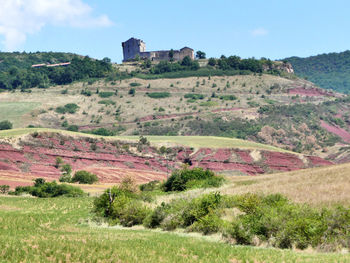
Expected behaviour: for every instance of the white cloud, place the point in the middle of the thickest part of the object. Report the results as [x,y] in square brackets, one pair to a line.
[259,32]
[18,18]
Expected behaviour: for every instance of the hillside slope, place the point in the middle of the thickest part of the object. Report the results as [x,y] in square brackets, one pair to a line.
[329,71]
[35,154]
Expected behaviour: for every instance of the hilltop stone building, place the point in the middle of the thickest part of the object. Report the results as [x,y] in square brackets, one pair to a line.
[134,47]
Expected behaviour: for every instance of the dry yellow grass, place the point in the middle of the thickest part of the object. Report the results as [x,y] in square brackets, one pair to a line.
[322,186]
[317,186]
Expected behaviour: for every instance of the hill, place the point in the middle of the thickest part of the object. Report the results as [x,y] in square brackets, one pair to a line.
[329,71]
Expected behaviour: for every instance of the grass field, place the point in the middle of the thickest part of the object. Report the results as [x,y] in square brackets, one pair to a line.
[56,230]
[16,111]
[189,141]
[316,186]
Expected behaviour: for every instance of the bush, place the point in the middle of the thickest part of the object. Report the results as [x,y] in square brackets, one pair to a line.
[159,95]
[121,206]
[4,188]
[135,84]
[73,128]
[132,92]
[66,178]
[84,177]
[101,131]
[5,125]
[150,186]
[105,94]
[68,108]
[194,96]
[49,189]
[184,179]
[106,102]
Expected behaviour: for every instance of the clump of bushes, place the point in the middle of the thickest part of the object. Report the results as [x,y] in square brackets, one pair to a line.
[228,97]
[121,205]
[84,177]
[158,95]
[247,219]
[280,223]
[186,178]
[105,94]
[5,125]
[194,96]
[44,189]
[101,131]
[68,108]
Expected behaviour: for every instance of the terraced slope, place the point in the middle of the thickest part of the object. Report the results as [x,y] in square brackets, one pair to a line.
[34,155]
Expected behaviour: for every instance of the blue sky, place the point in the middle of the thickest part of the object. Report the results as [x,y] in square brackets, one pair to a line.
[250,28]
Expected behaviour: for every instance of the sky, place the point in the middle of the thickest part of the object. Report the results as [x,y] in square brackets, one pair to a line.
[273,29]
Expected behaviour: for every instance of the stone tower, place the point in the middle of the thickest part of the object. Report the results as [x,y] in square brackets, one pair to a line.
[133,47]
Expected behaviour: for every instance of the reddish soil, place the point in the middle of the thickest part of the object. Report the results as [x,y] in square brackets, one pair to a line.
[345,135]
[111,161]
[310,92]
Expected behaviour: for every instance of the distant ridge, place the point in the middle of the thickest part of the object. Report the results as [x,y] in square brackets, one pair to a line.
[329,71]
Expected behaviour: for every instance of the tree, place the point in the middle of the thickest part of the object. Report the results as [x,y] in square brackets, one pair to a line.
[59,161]
[212,62]
[106,60]
[5,125]
[171,54]
[200,55]
[38,182]
[132,92]
[84,177]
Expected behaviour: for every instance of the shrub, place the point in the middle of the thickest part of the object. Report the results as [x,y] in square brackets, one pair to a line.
[194,96]
[158,95]
[66,178]
[135,84]
[101,131]
[68,108]
[5,125]
[73,128]
[105,94]
[150,186]
[132,92]
[49,189]
[184,179]
[228,97]
[86,92]
[106,102]
[121,206]
[4,188]
[84,177]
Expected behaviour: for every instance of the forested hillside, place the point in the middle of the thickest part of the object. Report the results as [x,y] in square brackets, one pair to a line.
[16,70]
[329,71]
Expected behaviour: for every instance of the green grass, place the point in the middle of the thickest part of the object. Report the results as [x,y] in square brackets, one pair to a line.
[15,111]
[189,141]
[207,141]
[55,230]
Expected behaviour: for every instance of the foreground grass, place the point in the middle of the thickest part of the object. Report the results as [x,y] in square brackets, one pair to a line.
[189,141]
[53,230]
